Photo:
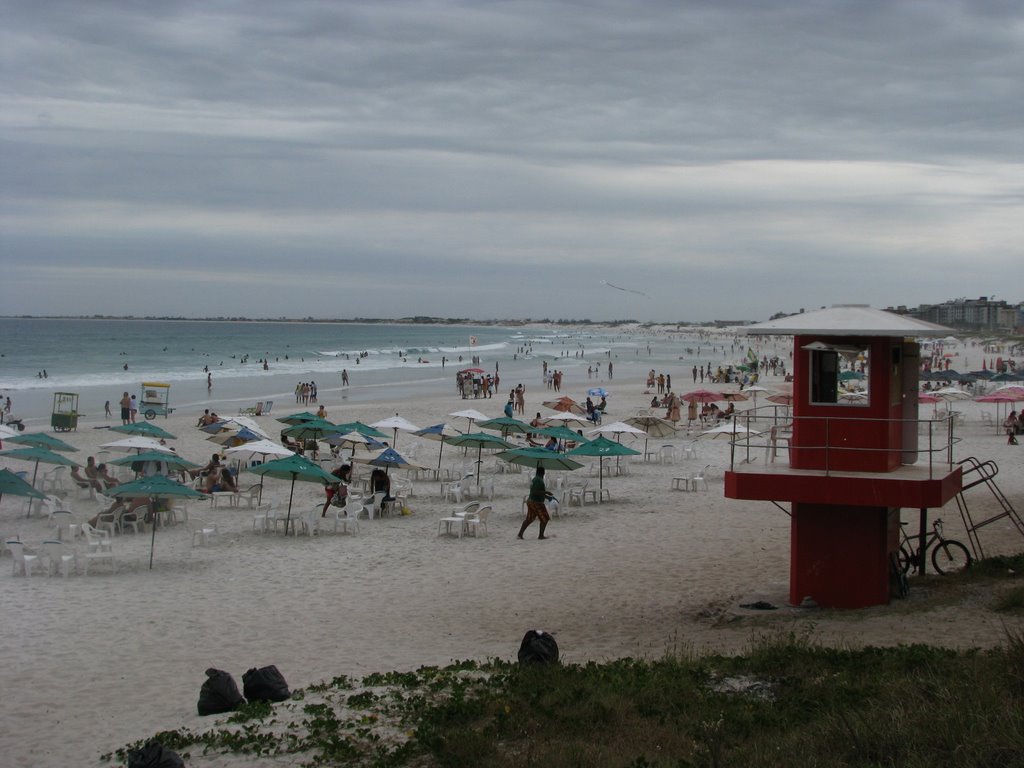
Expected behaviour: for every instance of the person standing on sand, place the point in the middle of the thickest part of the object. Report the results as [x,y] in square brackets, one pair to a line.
[344,377]
[126,409]
[133,408]
[106,410]
[535,509]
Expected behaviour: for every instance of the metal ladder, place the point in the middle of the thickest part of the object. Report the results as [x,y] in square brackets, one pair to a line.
[975,473]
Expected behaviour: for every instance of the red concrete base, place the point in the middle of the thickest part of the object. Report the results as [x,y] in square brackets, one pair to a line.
[840,554]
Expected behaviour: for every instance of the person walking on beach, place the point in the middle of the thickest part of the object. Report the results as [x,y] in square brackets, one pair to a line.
[106,410]
[344,377]
[535,509]
[126,406]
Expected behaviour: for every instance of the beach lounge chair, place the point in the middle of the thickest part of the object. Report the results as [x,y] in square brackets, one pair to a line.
[255,410]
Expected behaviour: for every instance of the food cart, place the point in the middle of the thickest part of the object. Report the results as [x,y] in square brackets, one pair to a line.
[64,417]
[155,400]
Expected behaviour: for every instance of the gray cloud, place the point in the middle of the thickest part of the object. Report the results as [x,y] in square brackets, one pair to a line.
[500,159]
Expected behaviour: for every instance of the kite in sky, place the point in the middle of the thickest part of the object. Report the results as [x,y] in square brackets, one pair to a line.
[627,290]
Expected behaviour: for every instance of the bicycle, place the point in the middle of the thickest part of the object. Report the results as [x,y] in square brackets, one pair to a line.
[948,555]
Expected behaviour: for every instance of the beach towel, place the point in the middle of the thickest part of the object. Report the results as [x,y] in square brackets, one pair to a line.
[219,693]
[265,684]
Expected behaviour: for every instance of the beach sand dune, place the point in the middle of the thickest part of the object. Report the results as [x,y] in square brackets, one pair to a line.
[89,663]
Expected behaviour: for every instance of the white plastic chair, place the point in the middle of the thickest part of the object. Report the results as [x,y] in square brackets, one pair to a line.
[341,517]
[97,540]
[59,557]
[54,480]
[63,523]
[24,558]
[475,522]
[202,530]
[667,454]
[104,553]
[700,478]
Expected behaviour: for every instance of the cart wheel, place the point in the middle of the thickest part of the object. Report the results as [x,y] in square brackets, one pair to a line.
[150,414]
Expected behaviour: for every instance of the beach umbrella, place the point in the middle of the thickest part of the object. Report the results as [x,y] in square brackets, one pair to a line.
[233,422]
[244,435]
[951,393]
[564,417]
[702,396]
[389,458]
[479,440]
[439,433]
[298,418]
[155,488]
[566,405]
[145,429]
[539,457]
[730,428]
[258,449]
[601,447]
[137,443]
[362,429]
[734,397]
[1007,376]
[560,432]
[782,398]
[294,468]
[755,389]
[928,397]
[11,484]
[653,426]
[6,432]
[172,460]
[472,414]
[507,426]
[43,440]
[395,423]
[37,455]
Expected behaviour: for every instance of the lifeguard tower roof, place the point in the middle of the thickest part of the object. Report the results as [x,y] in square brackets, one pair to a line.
[847,320]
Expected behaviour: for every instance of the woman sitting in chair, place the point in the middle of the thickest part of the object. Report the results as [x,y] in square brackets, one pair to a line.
[104,476]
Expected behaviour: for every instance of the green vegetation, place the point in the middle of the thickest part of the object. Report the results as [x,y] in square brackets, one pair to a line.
[787,702]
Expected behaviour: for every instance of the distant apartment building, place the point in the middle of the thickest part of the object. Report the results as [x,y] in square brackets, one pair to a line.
[981,314]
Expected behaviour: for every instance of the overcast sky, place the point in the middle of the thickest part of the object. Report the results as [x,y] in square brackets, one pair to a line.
[500,159]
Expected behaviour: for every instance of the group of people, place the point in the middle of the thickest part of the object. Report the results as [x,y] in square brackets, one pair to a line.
[305,392]
[97,476]
[129,408]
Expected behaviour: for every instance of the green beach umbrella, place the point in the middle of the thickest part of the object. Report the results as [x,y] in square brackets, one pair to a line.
[312,430]
[560,433]
[507,426]
[155,488]
[479,440]
[43,440]
[539,457]
[38,455]
[298,418]
[172,460]
[363,429]
[145,429]
[601,446]
[294,468]
[11,484]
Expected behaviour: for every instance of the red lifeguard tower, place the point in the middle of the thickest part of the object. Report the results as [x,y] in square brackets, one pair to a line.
[854,459]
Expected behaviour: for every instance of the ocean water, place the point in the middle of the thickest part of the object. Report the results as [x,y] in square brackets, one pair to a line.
[99,359]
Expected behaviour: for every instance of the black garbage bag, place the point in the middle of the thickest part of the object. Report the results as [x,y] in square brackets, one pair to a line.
[154,755]
[265,684]
[538,647]
[219,693]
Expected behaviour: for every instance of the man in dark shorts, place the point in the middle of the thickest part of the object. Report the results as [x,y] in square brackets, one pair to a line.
[126,409]
[535,508]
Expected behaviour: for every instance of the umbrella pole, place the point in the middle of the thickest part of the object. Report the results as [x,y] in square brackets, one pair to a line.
[479,464]
[440,449]
[152,538]
[259,498]
[36,471]
[291,493]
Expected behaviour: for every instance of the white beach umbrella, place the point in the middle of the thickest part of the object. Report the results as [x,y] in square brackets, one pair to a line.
[730,428]
[247,423]
[6,432]
[564,418]
[951,393]
[396,423]
[618,428]
[472,414]
[138,444]
[258,449]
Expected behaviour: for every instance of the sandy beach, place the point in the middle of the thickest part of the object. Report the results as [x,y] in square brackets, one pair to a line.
[89,663]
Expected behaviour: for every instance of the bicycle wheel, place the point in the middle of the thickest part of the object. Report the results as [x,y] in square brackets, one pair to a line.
[950,557]
[906,559]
